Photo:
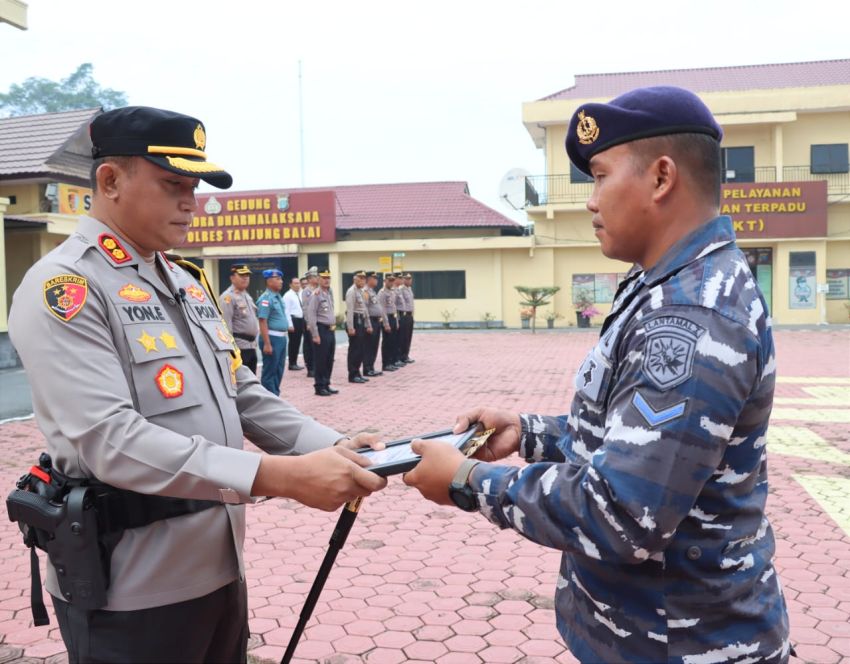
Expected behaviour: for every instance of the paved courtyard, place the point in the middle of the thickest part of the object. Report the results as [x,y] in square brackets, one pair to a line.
[421,583]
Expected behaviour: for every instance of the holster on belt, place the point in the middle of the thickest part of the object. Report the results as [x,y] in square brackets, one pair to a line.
[79,522]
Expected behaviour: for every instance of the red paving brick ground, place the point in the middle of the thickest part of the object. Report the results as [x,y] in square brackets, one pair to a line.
[422,583]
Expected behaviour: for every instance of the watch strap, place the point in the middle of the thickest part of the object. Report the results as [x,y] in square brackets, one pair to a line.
[461,478]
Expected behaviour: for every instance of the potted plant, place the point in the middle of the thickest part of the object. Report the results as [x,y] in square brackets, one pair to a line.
[534,297]
[551,317]
[447,316]
[584,309]
[488,318]
[525,315]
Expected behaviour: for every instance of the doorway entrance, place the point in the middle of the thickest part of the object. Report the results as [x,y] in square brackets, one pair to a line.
[760,260]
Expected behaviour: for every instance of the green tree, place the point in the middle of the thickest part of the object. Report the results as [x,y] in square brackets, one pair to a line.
[39,95]
[536,296]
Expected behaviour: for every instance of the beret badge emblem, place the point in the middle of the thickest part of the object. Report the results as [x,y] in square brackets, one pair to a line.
[586,129]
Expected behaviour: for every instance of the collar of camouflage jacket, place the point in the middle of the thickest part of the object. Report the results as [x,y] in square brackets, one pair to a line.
[709,237]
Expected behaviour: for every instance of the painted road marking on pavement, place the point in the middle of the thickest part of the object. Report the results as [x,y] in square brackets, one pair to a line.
[811,414]
[819,380]
[832,494]
[823,395]
[803,443]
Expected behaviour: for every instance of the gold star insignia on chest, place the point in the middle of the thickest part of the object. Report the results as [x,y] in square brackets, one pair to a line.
[168,341]
[148,342]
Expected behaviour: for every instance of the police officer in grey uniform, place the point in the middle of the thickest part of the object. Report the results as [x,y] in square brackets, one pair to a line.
[378,319]
[357,325]
[136,383]
[322,321]
[389,345]
[312,277]
[654,485]
[240,313]
[405,312]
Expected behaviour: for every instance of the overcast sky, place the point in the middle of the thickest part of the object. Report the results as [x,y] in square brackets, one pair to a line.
[392,91]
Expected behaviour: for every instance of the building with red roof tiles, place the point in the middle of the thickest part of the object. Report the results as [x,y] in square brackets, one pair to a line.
[786,182]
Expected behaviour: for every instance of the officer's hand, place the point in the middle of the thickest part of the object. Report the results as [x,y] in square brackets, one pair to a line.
[434,473]
[505,438]
[267,349]
[324,479]
[317,340]
[368,330]
[362,439]
[387,328]
[351,332]
[291,328]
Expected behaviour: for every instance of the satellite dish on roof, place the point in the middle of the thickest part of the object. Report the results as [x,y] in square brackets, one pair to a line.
[512,188]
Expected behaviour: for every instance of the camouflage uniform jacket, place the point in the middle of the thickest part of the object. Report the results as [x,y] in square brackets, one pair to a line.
[654,485]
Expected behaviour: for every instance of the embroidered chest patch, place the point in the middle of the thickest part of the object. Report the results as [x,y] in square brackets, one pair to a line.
[668,358]
[170,381]
[196,293]
[65,295]
[134,293]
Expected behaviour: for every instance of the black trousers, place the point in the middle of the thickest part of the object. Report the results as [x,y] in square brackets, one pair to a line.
[357,346]
[308,348]
[372,342]
[212,628]
[323,357]
[295,340]
[249,358]
[405,334]
[389,345]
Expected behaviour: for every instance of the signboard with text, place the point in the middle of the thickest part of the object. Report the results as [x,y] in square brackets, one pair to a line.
[775,209]
[72,199]
[262,218]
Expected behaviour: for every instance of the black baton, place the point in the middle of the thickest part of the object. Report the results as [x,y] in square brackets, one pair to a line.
[338,537]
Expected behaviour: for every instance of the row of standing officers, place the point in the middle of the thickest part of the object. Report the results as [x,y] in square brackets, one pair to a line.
[373,319]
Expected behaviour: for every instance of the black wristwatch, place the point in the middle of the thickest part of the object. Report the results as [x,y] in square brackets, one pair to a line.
[459,490]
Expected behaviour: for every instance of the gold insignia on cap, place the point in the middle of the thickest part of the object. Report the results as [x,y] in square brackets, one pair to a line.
[586,129]
[200,137]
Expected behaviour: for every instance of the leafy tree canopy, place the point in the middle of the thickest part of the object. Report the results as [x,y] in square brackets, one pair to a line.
[79,90]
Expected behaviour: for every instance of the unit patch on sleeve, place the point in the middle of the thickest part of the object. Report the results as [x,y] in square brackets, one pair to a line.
[113,248]
[65,295]
[170,381]
[668,357]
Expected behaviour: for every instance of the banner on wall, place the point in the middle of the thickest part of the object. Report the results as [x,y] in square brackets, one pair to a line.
[770,209]
[802,289]
[262,218]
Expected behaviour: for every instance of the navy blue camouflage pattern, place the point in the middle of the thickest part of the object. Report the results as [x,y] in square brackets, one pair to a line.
[654,486]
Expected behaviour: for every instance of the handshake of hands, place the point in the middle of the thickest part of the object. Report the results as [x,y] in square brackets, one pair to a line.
[328,478]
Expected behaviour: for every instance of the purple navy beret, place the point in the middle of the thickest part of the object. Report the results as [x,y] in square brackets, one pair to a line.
[640,113]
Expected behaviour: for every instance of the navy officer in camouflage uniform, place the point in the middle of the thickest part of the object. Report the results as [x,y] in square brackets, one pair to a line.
[654,485]
[136,382]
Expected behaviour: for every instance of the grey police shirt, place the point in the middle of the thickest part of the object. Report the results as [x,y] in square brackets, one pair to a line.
[240,313]
[134,383]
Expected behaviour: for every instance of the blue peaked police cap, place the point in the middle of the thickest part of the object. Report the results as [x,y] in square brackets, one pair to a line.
[273,272]
[640,113]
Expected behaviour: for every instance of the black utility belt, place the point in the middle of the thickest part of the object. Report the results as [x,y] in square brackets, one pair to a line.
[405,313]
[244,337]
[79,522]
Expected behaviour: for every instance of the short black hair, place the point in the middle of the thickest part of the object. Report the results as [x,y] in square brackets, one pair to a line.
[697,154]
[126,163]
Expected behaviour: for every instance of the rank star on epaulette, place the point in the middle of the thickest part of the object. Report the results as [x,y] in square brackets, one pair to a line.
[113,248]
[65,295]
